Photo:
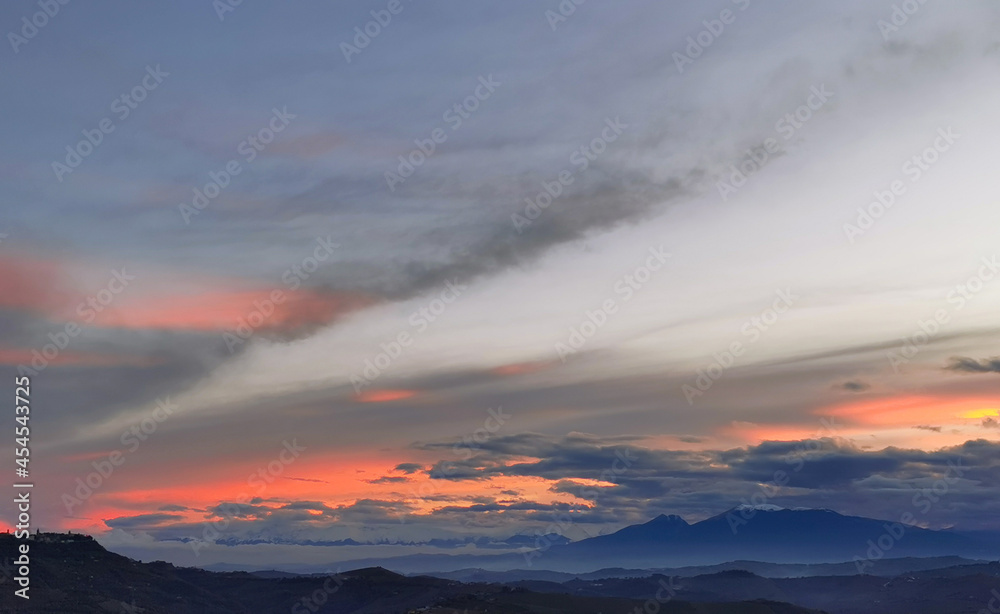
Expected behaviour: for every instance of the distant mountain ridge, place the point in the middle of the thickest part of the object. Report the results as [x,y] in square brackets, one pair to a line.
[768,534]
[887,568]
[76,575]
[771,534]
[962,590]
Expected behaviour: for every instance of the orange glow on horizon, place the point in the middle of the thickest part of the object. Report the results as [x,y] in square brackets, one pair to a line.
[334,481]
[913,410]
[926,422]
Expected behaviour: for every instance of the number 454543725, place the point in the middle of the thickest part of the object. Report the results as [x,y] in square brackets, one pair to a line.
[22,398]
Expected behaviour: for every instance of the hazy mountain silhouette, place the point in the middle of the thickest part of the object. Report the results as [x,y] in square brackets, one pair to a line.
[73,574]
[766,534]
[769,534]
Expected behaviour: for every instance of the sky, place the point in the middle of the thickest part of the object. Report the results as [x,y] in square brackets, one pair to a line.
[312,281]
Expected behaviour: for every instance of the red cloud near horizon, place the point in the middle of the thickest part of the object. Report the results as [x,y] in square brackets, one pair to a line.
[384,395]
[47,290]
[285,312]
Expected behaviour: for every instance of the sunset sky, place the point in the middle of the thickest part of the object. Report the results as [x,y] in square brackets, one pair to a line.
[497,267]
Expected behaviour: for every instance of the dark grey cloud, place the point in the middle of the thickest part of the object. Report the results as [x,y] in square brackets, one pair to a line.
[814,471]
[690,439]
[854,386]
[971,365]
[388,479]
[409,467]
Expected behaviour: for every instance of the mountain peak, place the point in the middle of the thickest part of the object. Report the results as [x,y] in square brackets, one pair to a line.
[761,507]
[664,519]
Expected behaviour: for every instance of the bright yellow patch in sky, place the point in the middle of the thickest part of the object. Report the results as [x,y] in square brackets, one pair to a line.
[981,413]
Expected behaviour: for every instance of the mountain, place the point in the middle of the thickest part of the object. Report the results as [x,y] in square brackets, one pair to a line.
[768,534]
[73,574]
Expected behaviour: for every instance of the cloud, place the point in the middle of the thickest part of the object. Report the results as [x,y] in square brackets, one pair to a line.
[854,386]
[936,429]
[142,521]
[306,480]
[452,219]
[408,467]
[971,365]
[690,439]
[605,481]
[384,396]
[293,314]
[388,480]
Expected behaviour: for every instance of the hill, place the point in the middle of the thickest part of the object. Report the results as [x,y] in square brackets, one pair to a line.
[75,575]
